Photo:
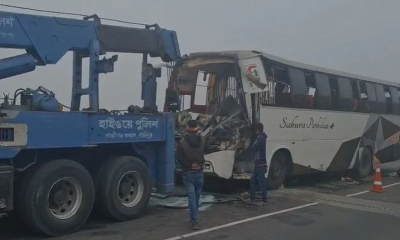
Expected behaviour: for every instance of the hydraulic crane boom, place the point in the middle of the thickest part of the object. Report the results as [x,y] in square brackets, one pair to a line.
[155,41]
[47,39]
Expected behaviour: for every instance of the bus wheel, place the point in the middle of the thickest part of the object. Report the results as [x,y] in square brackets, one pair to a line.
[123,188]
[56,198]
[277,171]
[363,167]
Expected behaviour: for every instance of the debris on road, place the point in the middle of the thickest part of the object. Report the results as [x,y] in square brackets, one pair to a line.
[180,202]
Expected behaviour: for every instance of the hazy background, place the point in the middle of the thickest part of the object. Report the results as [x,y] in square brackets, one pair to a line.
[357,36]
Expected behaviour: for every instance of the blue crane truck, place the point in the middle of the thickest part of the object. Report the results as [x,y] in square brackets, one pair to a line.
[56,165]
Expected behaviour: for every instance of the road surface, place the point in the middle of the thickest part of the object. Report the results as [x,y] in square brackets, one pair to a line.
[307,212]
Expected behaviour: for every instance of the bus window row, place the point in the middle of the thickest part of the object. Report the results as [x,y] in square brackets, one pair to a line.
[305,89]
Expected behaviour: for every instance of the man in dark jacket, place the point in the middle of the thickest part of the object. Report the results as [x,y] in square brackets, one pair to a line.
[190,155]
[259,149]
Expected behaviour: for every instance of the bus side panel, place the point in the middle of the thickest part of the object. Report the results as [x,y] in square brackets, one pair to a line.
[389,130]
[324,140]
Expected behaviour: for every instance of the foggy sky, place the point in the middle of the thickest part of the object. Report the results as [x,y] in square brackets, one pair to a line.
[357,36]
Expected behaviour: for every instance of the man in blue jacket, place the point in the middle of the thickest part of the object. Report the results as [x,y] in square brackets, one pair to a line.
[259,149]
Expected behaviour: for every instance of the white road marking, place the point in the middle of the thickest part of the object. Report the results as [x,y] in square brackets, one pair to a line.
[207,230]
[363,192]
[240,222]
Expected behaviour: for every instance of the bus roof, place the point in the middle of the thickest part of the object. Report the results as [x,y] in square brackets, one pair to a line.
[242,54]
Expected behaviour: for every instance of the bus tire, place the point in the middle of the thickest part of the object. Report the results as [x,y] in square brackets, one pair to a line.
[123,188]
[363,167]
[64,184]
[277,171]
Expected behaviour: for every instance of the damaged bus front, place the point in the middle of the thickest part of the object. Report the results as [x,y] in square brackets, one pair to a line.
[218,89]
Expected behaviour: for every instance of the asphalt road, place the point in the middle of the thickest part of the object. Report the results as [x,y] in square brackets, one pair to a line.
[321,221]
[308,212]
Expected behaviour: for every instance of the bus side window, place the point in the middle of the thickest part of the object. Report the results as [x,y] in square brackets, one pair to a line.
[364,104]
[283,96]
[335,93]
[323,94]
[298,88]
[394,96]
[346,95]
[388,99]
[355,90]
[380,99]
[311,86]
[373,105]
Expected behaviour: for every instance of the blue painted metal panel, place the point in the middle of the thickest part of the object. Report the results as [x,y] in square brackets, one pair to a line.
[160,158]
[166,159]
[171,45]
[126,128]
[77,129]
[55,129]
[157,42]
[6,153]
[17,65]
[149,152]
[155,132]
[47,38]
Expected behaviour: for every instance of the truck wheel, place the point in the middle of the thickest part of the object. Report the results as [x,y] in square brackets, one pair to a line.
[277,171]
[123,188]
[363,167]
[56,198]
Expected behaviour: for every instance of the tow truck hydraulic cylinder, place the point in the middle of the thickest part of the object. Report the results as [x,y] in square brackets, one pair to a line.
[16,65]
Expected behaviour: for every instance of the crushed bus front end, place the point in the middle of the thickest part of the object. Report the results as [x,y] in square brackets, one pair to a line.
[211,89]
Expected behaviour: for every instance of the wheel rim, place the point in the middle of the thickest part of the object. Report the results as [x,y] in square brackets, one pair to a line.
[65,198]
[276,169]
[365,161]
[130,188]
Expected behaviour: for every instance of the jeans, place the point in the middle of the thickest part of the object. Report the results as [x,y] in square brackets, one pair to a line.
[258,175]
[193,182]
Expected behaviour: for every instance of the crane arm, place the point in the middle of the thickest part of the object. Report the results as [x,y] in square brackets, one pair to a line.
[155,41]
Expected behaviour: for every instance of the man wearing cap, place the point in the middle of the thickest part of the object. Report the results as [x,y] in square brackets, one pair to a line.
[190,154]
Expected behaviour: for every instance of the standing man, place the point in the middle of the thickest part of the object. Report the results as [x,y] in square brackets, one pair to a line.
[190,154]
[259,149]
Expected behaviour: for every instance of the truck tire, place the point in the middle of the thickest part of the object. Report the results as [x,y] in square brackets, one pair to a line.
[363,167]
[123,188]
[56,198]
[277,171]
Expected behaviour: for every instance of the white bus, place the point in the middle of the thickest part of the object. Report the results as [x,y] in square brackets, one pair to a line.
[316,119]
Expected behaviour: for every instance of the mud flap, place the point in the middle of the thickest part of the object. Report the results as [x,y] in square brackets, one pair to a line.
[6,188]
